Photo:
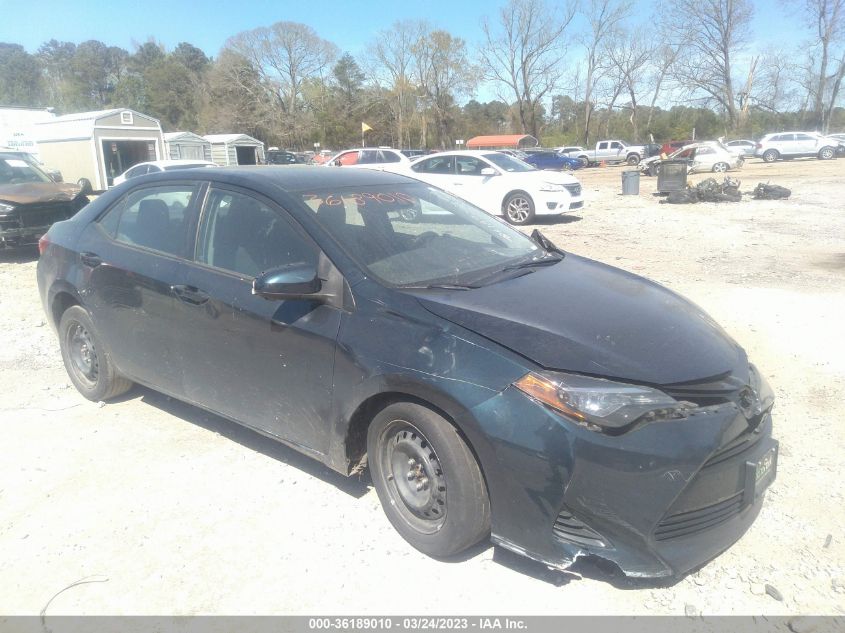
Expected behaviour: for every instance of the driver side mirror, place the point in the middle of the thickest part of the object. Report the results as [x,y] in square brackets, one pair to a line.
[489,171]
[297,281]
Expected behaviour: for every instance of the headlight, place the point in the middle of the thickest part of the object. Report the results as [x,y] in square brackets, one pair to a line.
[552,186]
[5,207]
[600,404]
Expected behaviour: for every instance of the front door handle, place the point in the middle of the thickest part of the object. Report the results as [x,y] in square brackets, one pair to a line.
[189,294]
[92,260]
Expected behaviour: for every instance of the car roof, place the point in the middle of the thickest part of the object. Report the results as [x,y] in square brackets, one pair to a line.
[290,178]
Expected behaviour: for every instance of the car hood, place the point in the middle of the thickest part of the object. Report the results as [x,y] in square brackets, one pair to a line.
[586,317]
[39,192]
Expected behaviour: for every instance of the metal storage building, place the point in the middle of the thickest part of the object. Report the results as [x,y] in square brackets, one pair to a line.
[502,141]
[186,145]
[235,149]
[97,146]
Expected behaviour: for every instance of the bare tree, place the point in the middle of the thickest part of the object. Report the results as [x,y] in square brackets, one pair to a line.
[285,54]
[444,73]
[603,18]
[827,19]
[523,52]
[393,68]
[630,54]
[711,34]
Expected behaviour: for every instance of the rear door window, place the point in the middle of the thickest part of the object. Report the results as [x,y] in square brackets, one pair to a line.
[158,218]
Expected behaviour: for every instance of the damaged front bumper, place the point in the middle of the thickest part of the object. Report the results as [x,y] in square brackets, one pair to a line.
[658,501]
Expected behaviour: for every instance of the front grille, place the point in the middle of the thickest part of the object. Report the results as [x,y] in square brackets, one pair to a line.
[738,445]
[694,521]
[572,530]
[574,190]
[36,215]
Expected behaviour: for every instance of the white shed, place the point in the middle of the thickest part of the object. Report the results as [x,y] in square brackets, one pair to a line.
[235,149]
[17,126]
[186,145]
[97,146]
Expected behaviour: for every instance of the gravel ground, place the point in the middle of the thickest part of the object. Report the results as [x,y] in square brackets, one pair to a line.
[164,508]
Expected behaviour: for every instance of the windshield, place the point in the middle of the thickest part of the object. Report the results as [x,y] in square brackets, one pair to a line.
[415,235]
[15,171]
[508,163]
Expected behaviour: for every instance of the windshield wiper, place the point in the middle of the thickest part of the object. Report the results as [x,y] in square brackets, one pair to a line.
[439,286]
[531,263]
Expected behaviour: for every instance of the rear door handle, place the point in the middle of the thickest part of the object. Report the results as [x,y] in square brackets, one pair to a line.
[90,259]
[190,294]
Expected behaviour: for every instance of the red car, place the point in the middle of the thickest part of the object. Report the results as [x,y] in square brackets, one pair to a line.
[671,146]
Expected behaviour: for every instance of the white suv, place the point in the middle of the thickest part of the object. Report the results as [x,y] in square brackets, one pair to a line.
[794,144]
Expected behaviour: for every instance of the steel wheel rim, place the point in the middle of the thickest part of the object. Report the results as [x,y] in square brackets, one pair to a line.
[519,209]
[827,153]
[416,482]
[720,168]
[83,355]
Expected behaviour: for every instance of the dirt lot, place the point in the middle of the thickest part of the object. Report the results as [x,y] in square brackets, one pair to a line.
[166,509]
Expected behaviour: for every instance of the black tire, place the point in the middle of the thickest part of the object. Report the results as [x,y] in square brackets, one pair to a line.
[770,155]
[86,186]
[518,208]
[427,479]
[633,159]
[721,168]
[827,153]
[88,365]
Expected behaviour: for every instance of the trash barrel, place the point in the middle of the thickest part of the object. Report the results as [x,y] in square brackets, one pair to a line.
[631,182]
[672,175]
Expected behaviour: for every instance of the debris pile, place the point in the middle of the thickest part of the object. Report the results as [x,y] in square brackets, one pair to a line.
[711,190]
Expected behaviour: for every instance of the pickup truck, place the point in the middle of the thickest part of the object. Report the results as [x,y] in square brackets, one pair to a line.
[611,152]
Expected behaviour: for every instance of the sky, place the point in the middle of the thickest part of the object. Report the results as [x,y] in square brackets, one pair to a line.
[350,24]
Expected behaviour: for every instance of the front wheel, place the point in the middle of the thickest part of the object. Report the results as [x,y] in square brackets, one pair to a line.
[826,153]
[427,479]
[85,185]
[519,208]
[720,168]
[88,365]
[633,159]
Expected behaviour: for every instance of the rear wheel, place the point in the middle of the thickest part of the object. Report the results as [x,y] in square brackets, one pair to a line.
[88,365]
[427,479]
[519,208]
[720,168]
[770,155]
[826,153]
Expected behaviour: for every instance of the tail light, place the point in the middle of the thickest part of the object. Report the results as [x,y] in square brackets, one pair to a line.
[43,243]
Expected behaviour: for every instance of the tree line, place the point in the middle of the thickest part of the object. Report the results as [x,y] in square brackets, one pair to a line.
[567,73]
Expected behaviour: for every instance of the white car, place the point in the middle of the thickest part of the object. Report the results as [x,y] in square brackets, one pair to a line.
[796,144]
[500,184]
[707,156]
[381,158]
[155,166]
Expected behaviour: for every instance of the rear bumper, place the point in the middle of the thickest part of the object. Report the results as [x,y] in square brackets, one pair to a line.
[658,501]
